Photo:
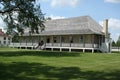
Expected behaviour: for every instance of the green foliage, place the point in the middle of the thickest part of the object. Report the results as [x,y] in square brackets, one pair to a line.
[48,18]
[113,43]
[15,38]
[118,42]
[20,14]
[45,65]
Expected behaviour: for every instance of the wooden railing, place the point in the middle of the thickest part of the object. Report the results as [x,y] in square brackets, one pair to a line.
[54,45]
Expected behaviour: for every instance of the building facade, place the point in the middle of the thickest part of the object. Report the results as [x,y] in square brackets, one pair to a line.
[71,34]
[4,39]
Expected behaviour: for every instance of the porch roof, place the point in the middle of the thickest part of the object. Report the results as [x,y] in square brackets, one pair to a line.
[76,25]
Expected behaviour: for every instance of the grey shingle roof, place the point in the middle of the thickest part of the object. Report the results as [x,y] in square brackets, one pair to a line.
[76,25]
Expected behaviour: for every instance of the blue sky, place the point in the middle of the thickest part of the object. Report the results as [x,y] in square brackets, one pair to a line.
[97,9]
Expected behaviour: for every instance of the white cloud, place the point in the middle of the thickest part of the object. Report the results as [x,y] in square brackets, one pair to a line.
[112,1]
[113,24]
[115,36]
[56,17]
[114,27]
[62,3]
[43,0]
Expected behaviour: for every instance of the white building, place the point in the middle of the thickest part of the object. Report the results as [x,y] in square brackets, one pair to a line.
[4,39]
[71,34]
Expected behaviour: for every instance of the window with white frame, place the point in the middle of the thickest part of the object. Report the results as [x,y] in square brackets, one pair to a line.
[4,42]
[4,38]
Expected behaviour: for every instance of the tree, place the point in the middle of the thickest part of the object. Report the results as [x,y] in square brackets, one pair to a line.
[113,43]
[48,18]
[118,42]
[21,14]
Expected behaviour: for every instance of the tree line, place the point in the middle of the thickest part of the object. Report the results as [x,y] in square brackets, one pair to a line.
[117,43]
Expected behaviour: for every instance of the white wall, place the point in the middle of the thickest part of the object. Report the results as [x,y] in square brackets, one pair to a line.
[4,42]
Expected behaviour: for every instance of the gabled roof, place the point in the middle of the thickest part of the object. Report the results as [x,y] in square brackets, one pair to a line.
[76,25]
[2,33]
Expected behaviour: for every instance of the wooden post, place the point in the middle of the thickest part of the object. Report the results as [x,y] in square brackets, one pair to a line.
[84,41]
[60,49]
[45,41]
[52,40]
[32,40]
[99,41]
[69,49]
[83,50]
[93,50]
[19,42]
[93,41]
[60,42]
[26,43]
[70,39]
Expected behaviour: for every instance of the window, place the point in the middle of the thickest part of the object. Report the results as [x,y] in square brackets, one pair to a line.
[4,42]
[48,40]
[71,39]
[8,42]
[81,39]
[62,39]
[4,38]
[55,39]
[8,38]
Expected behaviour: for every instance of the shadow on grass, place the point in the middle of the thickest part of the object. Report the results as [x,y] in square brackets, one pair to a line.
[37,71]
[37,53]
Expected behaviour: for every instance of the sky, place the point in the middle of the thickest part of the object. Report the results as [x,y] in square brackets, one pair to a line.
[97,9]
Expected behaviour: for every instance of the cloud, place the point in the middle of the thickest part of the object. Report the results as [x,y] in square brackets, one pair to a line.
[113,24]
[63,3]
[115,36]
[56,17]
[43,0]
[112,1]
[114,27]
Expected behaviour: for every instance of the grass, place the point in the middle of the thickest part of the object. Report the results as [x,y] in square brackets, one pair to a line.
[45,65]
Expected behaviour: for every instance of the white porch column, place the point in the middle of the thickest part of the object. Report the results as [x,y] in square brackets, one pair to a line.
[84,41]
[52,40]
[70,38]
[52,49]
[20,42]
[45,40]
[60,42]
[32,40]
[99,41]
[69,49]
[83,50]
[93,50]
[60,49]
[92,41]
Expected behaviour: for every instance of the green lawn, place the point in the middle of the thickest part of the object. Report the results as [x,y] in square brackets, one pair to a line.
[44,65]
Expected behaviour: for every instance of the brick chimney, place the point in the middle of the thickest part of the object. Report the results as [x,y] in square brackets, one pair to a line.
[105,28]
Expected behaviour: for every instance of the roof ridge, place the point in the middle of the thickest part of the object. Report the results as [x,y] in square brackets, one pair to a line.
[69,18]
